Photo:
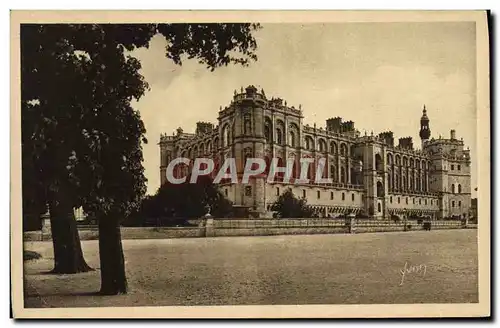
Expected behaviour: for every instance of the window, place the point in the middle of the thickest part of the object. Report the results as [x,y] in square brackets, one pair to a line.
[319,194]
[331,195]
[458,167]
[279,136]
[419,202]
[452,188]
[304,193]
[413,201]
[248,191]
[390,200]
[277,191]
[267,132]
[406,200]
[459,188]
[459,203]
[399,200]
[352,197]
[452,167]
[425,201]
[453,204]
[379,208]
[291,140]
[343,196]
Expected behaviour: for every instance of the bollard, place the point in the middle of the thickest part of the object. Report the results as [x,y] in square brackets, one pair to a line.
[209,228]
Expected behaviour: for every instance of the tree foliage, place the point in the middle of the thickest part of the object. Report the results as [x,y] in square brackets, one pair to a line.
[81,137]
[185,201]
[77,86]
[289,206]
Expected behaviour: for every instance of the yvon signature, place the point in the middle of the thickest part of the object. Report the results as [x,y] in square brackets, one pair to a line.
[420,270]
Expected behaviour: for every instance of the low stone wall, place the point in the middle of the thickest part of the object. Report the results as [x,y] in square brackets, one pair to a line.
[278,231]
[260,227]
[127,233]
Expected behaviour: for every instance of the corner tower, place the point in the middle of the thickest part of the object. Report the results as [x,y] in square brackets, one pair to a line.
[425,131]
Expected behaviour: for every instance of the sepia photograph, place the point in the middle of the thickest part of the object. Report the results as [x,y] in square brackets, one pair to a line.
[260,164]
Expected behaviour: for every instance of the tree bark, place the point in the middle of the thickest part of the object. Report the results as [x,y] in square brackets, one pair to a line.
[113,278]
[68,255]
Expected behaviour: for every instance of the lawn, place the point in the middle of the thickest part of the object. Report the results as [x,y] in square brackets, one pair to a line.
[308,269]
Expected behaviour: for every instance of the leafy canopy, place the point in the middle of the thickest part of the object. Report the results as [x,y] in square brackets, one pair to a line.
[289,206]
[80,134]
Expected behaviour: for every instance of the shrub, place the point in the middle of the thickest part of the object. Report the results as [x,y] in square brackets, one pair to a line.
[30,255]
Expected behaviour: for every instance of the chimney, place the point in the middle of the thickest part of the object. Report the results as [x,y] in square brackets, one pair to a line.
[334,124]
[452,135]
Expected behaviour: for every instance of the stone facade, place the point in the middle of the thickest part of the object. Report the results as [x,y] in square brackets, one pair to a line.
[370,174]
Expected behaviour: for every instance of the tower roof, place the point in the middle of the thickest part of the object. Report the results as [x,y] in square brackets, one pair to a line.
[424,115]
[425,131]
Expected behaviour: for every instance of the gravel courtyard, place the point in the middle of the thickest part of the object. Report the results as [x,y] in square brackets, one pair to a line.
[307,269]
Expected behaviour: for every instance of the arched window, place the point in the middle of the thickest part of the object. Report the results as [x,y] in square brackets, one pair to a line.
[379,208]
[343,149]
[280,132]
[459,189]
[333,148]
[380,189]
[279,136]
[226,136]
[268,130]
[267,133]
[378,162]
[322,145]
[309,143]
[291,138]
[389,159]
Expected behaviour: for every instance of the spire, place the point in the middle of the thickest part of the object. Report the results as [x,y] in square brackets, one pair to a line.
[424,115]
[425,131]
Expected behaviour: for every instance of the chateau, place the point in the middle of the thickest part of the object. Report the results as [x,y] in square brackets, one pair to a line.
[370,174]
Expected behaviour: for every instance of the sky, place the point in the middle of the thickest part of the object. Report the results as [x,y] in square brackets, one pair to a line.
[378,75]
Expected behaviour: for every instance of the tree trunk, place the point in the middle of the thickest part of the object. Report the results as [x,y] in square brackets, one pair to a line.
[113,278]
[68,255]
